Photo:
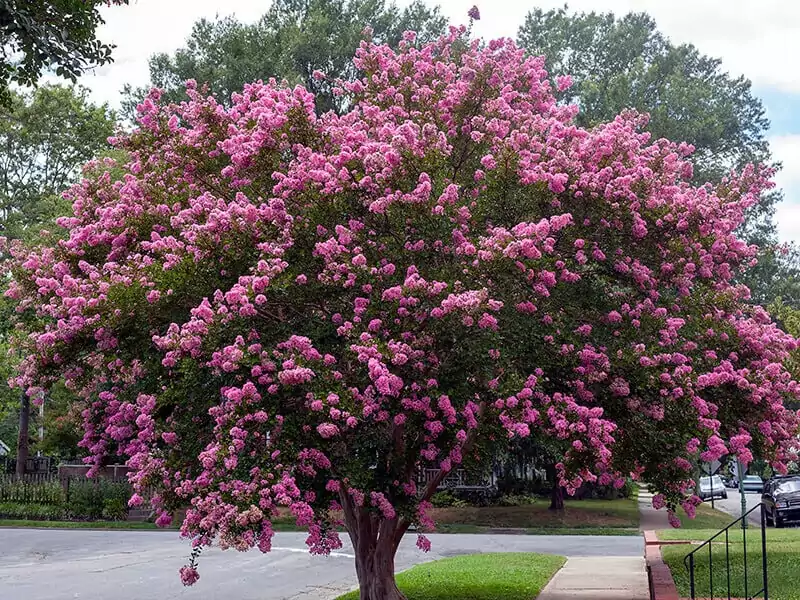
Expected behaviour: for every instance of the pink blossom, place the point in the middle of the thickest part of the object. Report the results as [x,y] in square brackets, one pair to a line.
[189,575]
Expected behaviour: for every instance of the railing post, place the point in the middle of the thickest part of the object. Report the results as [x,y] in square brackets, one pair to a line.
[728,564]
[744,552]
[691,576]
[710,573]
[764,551]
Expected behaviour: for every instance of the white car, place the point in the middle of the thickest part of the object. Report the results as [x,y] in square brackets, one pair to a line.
[712,487]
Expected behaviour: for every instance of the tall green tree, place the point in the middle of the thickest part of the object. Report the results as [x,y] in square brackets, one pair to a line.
[625,62]
[292,40]
[43,35]
[619,63]
[45,137]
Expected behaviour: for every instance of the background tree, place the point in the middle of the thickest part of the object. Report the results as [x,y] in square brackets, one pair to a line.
[281,310]
[45,137]
[625,62]
[40,35]
[291,41]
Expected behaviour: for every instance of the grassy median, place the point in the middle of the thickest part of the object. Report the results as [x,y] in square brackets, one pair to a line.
[511,576]
[783,563]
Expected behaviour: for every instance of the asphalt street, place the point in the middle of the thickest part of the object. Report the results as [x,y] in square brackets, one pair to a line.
[143,565]
[733,505]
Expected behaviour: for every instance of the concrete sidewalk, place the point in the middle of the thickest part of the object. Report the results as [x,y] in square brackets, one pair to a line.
[599,578]
[651,519]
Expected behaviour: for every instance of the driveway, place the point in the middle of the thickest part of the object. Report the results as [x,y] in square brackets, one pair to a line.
[143,565]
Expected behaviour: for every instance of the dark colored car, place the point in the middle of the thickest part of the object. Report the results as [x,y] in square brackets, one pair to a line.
[781,499]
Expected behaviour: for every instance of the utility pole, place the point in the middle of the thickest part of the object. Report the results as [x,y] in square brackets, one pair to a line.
[740,471]
[41,423]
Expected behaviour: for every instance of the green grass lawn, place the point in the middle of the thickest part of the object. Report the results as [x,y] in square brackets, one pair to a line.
[77,524]
[588,516]
[462,528]
[706,518]
[513,576]
[734,534]
[579,517]
[783,563]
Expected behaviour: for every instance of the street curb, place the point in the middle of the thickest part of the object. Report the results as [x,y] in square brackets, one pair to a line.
[651,539]
[662,586]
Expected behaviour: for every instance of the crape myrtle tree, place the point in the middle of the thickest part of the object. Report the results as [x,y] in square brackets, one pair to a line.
[621,62]
[272,309]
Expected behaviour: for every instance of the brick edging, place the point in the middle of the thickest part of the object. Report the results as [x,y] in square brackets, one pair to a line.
[662,586]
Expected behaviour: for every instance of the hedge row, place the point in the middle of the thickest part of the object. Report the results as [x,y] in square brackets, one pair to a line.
[83,499]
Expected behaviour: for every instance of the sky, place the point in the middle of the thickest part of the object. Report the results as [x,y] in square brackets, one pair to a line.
[752,38]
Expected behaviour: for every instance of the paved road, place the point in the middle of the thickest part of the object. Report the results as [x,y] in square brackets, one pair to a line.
[733,505]
[143,565]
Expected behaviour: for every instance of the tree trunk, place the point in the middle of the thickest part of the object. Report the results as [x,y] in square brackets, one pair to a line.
[22,440]
[557,495]
[376,575]
[375,541]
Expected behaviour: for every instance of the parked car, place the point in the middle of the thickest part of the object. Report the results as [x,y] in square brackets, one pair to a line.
[781,499]
[712,487]
[753,483]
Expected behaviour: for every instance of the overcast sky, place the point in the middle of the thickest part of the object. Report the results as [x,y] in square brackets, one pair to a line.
[754,38]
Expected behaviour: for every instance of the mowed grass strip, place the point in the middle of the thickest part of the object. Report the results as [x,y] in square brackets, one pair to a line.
[503,576]
[577,514]
[25,523]
[783,564]
[707,518]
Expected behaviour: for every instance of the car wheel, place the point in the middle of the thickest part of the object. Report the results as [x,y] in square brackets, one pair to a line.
[724,495]
[776,519]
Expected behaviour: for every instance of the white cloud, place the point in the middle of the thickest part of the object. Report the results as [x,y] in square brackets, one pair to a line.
[148,26]
[752,38]
[786,149]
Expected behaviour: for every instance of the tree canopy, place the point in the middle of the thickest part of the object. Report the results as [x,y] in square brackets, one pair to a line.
[291,41]
[40,35]
[624,62]
[46,136]
[271,308]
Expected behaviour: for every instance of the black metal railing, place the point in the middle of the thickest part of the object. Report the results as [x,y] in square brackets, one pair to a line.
[692,561]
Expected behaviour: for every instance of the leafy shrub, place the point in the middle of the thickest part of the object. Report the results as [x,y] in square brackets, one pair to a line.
[516,500]
[115,509]
[627,491]
[97,499]
[446,499]
[475,497]
[31,511]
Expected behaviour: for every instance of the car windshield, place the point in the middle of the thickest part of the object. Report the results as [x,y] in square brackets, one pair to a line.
[787,487]
[706,481]
[753,479]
